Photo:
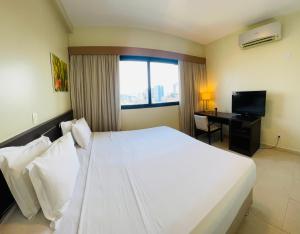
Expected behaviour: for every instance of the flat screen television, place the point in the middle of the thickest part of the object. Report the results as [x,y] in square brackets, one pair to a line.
[252,103]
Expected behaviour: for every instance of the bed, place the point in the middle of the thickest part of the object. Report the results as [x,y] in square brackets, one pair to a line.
[155,180]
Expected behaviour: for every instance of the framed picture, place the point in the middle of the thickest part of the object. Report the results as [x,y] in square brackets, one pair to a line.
[59,74]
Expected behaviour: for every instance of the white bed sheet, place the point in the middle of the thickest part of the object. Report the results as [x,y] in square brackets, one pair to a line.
[150,181]
[161,181]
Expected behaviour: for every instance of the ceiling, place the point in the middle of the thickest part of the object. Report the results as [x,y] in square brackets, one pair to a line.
[202,21]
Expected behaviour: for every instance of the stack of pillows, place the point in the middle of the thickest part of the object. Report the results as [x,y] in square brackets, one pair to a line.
[42,174]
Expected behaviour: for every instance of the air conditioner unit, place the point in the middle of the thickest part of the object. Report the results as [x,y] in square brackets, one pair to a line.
[266,33]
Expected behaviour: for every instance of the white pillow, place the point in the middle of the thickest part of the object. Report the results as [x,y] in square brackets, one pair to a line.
[8,150]
[15,159]
[81,133]
[67,126]
[53,176]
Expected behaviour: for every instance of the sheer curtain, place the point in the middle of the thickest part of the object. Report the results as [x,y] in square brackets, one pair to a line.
[95,91]
[192,81]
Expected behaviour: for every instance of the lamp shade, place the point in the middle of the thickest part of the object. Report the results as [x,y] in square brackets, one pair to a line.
[206,96]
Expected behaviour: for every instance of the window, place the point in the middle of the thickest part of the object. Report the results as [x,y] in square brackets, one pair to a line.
[133,82]
[148,82]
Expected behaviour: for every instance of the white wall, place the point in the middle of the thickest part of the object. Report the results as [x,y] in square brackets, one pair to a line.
[116,36]
[30,30]
[150,117]
[274,67]
[120,36]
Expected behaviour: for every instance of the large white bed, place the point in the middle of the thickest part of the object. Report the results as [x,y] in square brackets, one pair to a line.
[155,180]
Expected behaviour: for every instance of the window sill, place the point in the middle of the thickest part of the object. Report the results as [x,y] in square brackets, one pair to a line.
[140,106]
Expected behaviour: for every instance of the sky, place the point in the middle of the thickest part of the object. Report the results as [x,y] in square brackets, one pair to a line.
[133,76]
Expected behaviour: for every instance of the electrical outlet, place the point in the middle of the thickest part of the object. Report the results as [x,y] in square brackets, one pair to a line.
[34,118]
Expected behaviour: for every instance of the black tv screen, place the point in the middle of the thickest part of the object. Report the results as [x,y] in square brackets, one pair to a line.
[249,103]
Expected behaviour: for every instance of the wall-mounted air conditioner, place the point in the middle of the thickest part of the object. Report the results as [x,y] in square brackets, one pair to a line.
[263,34]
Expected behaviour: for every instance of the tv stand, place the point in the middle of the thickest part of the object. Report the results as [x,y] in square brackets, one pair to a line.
[244,135]
[244,131]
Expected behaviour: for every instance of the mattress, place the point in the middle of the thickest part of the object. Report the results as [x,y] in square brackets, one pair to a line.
[159,181]
[154,180]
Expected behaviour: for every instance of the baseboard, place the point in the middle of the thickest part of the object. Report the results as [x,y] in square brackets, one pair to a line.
[282,149]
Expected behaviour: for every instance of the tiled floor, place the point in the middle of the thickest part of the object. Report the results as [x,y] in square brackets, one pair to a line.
[276,195]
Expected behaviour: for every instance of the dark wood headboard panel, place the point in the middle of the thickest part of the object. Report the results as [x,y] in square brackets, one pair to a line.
[50,129]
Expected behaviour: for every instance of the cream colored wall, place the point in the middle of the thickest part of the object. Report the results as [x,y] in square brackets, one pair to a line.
[120,36]
[116,36]
[31,30]
[274,67]
[150,117]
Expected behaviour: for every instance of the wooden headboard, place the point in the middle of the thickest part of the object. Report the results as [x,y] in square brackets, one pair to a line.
[50,129]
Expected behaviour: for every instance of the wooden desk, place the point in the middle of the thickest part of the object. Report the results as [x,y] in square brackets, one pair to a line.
[219,117]
[244,132]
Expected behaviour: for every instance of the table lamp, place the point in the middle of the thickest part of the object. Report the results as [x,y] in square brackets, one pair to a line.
[205,97]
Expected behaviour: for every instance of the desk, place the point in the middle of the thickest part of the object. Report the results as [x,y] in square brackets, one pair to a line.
[244,132]
[219,117]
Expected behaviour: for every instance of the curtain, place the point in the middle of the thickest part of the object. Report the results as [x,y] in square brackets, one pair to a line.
[95,91]
[192,81]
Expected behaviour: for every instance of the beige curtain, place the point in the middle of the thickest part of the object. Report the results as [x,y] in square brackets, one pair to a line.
[95,91]
[192,81]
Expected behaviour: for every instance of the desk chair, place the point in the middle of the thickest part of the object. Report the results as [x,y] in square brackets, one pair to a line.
[203,126]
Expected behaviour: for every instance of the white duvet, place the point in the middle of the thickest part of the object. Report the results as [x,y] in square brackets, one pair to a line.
[156,180]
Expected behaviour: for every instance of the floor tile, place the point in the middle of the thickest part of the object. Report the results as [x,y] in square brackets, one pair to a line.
[297,170]
[292,218]
[253,225]
[270,206]
[295,190]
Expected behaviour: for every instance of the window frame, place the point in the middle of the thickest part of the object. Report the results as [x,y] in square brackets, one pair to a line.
[148,60]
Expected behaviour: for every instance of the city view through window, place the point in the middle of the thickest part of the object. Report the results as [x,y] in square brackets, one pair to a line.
[164,82]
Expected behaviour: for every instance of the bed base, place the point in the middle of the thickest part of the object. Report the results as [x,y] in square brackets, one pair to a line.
[204,226]
[243,211]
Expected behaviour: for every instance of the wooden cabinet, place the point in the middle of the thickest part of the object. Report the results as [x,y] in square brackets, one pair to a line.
[244,135]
